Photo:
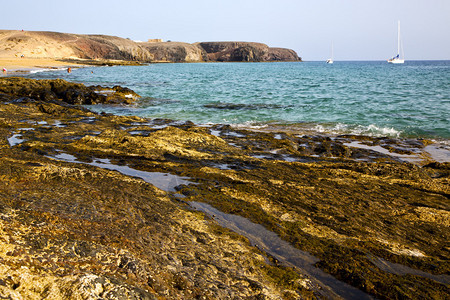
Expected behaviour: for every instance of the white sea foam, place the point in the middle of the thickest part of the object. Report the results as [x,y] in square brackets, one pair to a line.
[249,125]
[45,70]
[319,128]
[377,131]
[371,130]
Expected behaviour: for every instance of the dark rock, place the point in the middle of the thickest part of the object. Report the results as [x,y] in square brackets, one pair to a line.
[283,54]
[246,51]
[175,52]
[69,92]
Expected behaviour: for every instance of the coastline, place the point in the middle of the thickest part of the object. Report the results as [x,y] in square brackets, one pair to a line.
[113,192]
[17,66]
[235,94]
[414,150]
[24,65]
[431,150]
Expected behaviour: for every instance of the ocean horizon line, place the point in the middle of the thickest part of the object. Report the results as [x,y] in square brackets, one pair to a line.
[371,60]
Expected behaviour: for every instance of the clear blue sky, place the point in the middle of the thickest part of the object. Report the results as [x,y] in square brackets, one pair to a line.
[359,29]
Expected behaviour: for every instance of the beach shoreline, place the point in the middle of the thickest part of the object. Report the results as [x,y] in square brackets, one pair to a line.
[25,65]
[406,149]
[16,66]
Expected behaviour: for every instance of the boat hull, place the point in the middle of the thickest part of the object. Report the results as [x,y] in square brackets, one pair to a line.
[396,61]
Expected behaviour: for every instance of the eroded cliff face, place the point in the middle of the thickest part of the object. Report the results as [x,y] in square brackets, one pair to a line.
[246,51]
[110,47]
[234,51]
[283,54]
[175,52]
[58,45]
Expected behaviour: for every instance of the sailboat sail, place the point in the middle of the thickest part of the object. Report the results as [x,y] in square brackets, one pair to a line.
[330,60]
[396,59]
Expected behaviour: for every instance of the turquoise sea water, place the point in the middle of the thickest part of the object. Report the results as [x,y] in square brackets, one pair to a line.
[370,98]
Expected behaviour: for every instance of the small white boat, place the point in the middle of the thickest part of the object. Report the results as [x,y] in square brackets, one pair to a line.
[330,60]
[396,59]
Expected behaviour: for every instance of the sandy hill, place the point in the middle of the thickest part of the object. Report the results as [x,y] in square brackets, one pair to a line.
[40,44]
[36,44]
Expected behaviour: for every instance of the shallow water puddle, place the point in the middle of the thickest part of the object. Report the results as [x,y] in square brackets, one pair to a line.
[439,152]
[159,126]
[289,158]
[269,242]
[400,269]
[215,132]
[234,134]
[405,157]
[262,156]
[164,181]
[86,120]
[16,139]
[136,132]
[222,166]
[284,157]
[57,123]
[66,157]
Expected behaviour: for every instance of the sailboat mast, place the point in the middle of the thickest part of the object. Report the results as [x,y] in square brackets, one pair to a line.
[398,39]
[331,50]
[397,59]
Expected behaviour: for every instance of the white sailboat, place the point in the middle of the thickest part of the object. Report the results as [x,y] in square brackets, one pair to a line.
[330,60]
[396,59]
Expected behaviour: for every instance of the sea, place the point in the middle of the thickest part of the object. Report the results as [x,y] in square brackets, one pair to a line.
[371,98]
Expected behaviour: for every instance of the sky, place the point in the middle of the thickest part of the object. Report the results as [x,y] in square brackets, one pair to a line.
[358,29]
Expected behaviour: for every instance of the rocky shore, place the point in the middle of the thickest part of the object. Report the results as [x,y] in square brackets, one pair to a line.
[104,206]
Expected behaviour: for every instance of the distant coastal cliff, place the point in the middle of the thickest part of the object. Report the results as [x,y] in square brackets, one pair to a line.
[42,44]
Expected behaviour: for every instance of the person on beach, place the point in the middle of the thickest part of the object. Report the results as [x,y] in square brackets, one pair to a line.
[4,71]
[69,69]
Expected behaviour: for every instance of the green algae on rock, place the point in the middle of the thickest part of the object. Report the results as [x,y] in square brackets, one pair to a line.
[69,92]
[72,229]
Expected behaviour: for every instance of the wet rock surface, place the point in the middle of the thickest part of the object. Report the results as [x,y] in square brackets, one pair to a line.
[62,90]
[77,222]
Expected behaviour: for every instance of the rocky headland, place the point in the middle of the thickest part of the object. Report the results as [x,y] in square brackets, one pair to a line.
[103,48]
[246,52]
[114,207]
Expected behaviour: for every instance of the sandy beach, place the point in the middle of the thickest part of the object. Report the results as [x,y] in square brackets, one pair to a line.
[27,64]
